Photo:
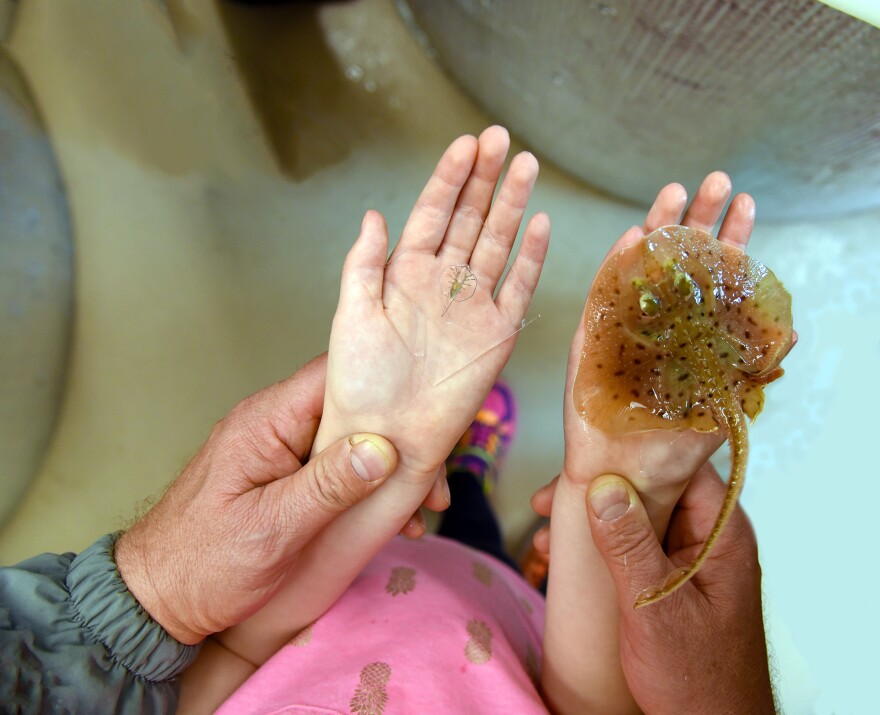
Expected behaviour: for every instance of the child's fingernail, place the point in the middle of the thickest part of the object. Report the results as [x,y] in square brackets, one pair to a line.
[367,458]
[446,492]
[609,499]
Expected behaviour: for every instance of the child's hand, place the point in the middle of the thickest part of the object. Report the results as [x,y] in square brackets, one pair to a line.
[582,638]
[658,462]
[406,362]
[398,364]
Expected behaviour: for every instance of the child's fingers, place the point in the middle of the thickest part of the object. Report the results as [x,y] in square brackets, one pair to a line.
[522,279]
[438,498]
[363,273]
[541,540]
[706,208]
[629,237]
[415,528]
[492,250]
[542,500]
[476,197]
[430,216]
[667,207]
[738,223]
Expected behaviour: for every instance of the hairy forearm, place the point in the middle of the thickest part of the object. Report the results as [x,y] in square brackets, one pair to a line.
[327,567]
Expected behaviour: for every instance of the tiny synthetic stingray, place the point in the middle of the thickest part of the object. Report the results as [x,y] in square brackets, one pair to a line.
[682,332]
[458,283]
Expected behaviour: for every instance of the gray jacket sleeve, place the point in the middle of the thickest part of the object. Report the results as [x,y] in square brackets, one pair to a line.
[74,640]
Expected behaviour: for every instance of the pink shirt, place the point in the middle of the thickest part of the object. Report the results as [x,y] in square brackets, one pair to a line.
[430,626]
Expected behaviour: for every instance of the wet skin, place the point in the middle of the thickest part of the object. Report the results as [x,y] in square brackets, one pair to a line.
[682,332]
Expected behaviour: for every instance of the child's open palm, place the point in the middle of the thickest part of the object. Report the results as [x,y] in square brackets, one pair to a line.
[399,367]
[418,341]
[657,462]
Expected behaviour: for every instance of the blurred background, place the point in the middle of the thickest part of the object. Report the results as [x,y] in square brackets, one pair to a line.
[180,181]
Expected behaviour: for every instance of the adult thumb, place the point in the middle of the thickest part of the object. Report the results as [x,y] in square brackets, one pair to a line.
[336,479]
[624,537]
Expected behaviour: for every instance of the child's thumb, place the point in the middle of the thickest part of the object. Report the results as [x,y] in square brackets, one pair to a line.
[625,538]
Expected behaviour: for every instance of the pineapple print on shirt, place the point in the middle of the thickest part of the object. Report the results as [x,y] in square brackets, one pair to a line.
[370,697]
[482,573]
[478,649]
[402,580]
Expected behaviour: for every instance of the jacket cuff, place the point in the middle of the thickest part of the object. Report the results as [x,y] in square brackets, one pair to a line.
[112,616]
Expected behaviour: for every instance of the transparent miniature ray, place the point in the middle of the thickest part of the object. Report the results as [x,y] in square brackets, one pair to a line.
[683,332]
[449,328]
[458,283]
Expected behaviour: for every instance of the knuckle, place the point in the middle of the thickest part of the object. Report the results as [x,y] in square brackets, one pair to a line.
[493,236]
[629,540]
[332,487]
[430,210]
[468,212]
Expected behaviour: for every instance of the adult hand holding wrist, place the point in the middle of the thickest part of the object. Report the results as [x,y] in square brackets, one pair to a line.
[223,537]
[702,649]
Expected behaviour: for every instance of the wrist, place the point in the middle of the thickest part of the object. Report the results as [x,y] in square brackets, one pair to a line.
[110,616]
[144,583]
[658,500]
[328,432]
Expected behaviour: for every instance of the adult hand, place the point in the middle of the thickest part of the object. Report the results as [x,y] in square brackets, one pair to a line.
[228,530]
[702,649]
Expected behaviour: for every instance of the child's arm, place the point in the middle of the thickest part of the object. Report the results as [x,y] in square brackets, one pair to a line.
[208,682]
[581,669]
[415,348]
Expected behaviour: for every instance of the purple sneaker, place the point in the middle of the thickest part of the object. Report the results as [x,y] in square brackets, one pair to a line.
[484,444]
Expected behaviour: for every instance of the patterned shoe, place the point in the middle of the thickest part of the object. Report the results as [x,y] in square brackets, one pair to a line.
[484,444]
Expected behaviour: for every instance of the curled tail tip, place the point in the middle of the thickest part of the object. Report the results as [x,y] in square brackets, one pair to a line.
[645,600]
[671,584]
[649,596]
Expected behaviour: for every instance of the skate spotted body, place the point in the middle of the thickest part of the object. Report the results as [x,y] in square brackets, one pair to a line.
[682,332]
